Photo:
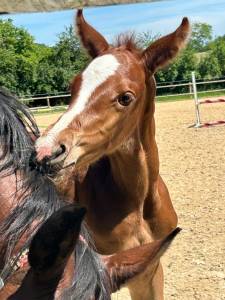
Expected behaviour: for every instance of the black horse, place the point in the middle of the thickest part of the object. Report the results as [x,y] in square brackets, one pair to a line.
[28,198]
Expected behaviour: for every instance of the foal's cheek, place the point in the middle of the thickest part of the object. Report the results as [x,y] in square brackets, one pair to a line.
[67,137]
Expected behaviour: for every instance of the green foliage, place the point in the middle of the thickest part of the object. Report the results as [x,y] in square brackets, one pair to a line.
[180,69]
[15,39]
[212,63]
[203,55]
[28,68]
[146,38]
[209,67]
[16,46]
[68,59]
[218,50]
[201,37]
[8,69]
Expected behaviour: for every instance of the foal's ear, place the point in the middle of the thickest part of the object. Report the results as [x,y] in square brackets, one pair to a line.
[92,40]
[126,265]
[162,51]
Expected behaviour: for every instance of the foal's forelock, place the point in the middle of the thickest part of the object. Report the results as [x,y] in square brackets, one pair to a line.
[98,71]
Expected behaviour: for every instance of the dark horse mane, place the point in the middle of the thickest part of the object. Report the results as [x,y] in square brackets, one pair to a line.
[38,201]
[14,139]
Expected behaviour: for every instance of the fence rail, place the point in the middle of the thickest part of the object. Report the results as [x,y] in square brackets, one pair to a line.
[48,101]
[51,99]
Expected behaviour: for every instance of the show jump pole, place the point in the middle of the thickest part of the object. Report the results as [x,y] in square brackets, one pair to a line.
[198,121]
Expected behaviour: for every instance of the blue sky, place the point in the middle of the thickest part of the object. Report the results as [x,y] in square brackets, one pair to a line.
[157,17]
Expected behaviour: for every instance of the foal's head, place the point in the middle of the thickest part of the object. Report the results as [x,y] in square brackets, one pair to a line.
[109,97]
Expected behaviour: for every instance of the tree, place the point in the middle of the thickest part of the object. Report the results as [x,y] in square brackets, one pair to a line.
[209,67]
[217,49]
[68,58]
[15,39]
[201,37]
[181,67]
[146,38]
[44,70]
[8,76]
[30,68]
[16,46]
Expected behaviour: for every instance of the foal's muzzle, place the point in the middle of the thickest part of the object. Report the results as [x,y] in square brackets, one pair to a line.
[59,152]
[45,166]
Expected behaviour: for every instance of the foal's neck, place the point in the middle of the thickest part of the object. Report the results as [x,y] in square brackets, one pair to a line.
[135,165]
[130,170]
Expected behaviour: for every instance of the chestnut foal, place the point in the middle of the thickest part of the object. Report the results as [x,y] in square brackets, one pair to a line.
[106,146]
[53,245]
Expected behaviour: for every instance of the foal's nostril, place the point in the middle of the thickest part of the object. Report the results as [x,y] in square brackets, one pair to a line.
[58,152]
[63,147]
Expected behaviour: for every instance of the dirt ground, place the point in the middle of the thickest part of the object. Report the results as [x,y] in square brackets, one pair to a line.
[193,167]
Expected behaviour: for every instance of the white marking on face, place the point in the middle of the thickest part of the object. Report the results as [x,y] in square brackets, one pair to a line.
[98,71]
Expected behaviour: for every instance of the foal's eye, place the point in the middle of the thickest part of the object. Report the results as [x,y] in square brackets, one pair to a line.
[125,99]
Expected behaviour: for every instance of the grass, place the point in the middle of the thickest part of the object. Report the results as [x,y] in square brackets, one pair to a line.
[173,98]
[50,111]
[190,97]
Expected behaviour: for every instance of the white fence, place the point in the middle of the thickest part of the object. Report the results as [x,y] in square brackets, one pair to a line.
[191,91]
[48,100]
[190,87]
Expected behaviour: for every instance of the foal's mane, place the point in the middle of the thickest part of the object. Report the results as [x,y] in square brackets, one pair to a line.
[129,41]
[38,201]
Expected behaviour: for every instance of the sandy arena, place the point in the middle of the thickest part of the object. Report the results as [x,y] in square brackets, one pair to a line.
[193,166]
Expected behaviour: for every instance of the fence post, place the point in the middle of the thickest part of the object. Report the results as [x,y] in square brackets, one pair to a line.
[190,88]
[48,102]
[198,121]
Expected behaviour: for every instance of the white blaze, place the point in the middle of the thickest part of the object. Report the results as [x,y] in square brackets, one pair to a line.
[97,72]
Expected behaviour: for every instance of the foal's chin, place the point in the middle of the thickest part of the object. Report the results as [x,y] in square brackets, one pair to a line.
[80,158]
